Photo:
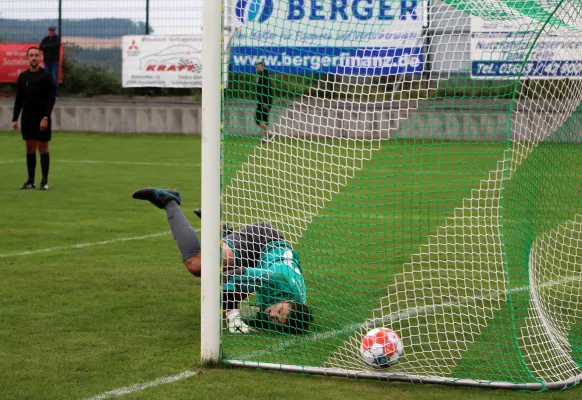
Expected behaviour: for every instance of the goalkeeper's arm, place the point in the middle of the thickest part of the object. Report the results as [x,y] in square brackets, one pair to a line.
[239,287]
[236,290]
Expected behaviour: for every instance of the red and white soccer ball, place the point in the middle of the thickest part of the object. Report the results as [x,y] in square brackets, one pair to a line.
[381,348]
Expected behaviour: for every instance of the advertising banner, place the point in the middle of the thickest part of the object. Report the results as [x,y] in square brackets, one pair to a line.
[162,61]
[13,61]
[361,37]
[512,49]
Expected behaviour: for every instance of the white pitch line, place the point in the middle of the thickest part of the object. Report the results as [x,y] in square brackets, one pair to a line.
[128,163]
[397,316]
[137,163]
[154,164]
[323,335]
[83,245]
[141,386]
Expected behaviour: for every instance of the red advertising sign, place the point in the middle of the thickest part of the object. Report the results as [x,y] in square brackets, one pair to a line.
[13,61]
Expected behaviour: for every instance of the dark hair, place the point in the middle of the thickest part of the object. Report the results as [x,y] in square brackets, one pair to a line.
[260,63]
[32,48]
[299,318]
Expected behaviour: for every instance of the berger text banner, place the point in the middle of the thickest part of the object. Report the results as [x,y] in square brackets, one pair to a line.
[348,37]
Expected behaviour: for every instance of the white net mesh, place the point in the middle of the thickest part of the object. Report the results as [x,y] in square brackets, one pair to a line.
[425,187]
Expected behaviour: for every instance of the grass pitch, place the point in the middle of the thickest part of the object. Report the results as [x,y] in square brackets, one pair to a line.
[94,296]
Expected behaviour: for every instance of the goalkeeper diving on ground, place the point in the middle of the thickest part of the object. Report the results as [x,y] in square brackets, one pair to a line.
[256,260]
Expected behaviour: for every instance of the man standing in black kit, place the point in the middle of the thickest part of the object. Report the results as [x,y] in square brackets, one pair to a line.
[50,46]
[35,98]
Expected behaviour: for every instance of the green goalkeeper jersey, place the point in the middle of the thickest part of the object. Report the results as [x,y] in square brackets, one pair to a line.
[276,277]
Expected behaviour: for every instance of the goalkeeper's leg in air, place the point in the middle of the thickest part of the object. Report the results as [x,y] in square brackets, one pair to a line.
[256,260]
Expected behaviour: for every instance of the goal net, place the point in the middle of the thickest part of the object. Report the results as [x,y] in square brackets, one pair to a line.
[424,161]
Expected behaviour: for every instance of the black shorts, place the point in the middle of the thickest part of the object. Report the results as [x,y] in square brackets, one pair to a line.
[248,241]
[30,128]
[262,115]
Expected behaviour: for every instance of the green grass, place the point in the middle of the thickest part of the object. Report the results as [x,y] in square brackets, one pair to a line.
[79,321]
[411,230]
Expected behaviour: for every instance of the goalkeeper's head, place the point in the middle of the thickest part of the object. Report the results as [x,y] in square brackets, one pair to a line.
[289,316]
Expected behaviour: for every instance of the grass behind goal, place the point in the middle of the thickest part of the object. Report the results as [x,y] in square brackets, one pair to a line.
[366,252]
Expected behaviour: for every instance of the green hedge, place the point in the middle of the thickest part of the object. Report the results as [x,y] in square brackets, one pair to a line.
[87,80]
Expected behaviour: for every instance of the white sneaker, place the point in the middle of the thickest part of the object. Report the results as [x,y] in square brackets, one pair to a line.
[235,323]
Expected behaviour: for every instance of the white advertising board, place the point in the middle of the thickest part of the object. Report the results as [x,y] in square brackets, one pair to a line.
[162,61]
[508,49]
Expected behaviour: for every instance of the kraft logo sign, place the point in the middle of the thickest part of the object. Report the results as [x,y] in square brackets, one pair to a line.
[173,58]
[251,10]
[337,10]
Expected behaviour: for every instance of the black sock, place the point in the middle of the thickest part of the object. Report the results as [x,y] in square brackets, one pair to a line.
[31,165]
[45,161]
[185,236]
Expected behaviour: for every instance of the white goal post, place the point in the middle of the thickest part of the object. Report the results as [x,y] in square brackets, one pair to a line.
[211,177]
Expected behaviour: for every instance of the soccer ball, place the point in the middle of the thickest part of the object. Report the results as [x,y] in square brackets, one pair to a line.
[381,348]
